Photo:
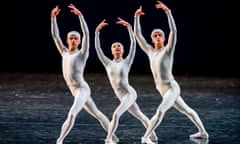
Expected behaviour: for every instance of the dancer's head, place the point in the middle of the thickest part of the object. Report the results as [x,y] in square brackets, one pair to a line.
[158,36]
[117,50]
[73,39]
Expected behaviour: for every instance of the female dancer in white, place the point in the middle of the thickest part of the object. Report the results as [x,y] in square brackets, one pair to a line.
[117,71]
[73,64]
[161,61]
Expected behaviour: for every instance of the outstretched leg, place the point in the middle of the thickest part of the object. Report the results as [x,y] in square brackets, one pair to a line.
[182,107]
[168,100]
[136,112]
[92,109]
[72,114]
[126,102]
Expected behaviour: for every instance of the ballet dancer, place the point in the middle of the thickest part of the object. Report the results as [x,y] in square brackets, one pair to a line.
[73,64]
[161,62]
[117,71]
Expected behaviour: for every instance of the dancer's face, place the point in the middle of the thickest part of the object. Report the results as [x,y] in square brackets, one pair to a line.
[117,49]
[73,41]
[158,38]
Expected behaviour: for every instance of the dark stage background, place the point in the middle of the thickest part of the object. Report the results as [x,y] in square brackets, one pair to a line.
[201,46]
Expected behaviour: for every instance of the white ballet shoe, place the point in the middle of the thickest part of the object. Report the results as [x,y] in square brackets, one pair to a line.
[58,141]
[109,141]
[199,135]
[146,141]
[200,140]
[115,139]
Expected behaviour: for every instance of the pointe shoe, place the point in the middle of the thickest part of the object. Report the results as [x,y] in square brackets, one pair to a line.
[199,135]
[115,139]
[146,141]
[58,141]
[109,141]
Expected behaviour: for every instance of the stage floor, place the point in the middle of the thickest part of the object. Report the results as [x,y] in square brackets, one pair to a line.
[33,107]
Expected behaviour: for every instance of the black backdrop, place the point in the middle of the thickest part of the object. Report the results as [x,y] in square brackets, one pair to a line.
[200,47]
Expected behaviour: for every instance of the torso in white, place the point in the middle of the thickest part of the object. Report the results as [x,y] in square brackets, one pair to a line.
[73,67]
[73,62]
[161,65]
[118,75]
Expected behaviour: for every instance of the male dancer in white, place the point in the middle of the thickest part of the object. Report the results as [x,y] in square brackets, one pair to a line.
[117,71]
[73,64]
[161,62]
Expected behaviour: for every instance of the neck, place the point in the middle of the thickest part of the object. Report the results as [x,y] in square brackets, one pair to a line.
[117,58]
[158,46]
[71,49]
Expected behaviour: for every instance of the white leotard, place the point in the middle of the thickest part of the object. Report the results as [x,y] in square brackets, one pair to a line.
[161,61]
[73,63]
[118,71]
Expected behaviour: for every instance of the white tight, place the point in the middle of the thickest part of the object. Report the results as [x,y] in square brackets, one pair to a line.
[172,98]
[128,103]
[82,99]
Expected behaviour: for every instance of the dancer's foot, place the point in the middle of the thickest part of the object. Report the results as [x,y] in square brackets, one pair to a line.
[146,141]
[199,135]
[200,140]
[110,141]
[115,139]
[58,141]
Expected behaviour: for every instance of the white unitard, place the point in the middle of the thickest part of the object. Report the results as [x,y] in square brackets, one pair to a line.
[161,62]
[73,64]
[117,72]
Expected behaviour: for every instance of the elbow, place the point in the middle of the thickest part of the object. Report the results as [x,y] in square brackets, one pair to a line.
[175,30]
[136,34]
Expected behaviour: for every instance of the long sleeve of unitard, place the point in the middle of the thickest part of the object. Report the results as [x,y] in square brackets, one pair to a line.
[105,60]
[85,39]
[132,49]
[56,35]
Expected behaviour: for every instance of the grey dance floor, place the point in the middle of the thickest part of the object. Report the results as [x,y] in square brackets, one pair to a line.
[33,107]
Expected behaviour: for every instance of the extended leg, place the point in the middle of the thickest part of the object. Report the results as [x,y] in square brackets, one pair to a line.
[168,100]
[92,109]
[136,112]
[182,107]
[72,114]
[126,102]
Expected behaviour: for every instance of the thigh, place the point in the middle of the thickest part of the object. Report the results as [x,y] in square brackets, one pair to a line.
[135,110]
[126,102]
[91,107]
[181,106]
[79,101]
[168,100]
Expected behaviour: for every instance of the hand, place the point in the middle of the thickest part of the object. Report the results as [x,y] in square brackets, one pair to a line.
[74,10]
[101,25]
[139,12]
[55,11]
[161,5]
[122,22]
